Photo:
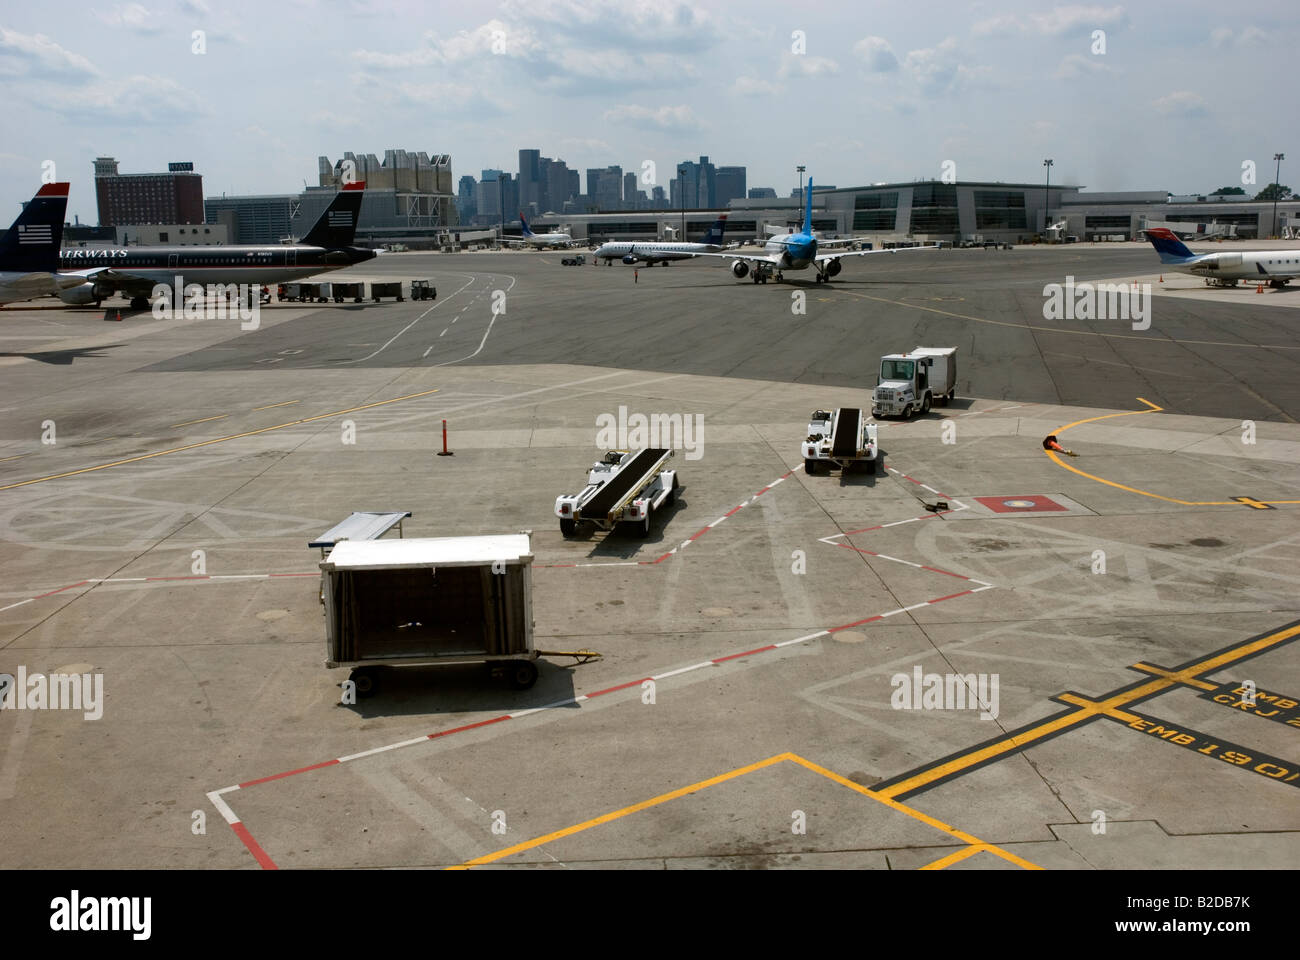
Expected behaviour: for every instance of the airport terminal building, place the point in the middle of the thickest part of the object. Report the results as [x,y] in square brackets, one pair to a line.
[932,210]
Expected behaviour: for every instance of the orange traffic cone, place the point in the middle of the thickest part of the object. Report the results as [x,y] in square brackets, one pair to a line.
[1260,288]
[1162,278]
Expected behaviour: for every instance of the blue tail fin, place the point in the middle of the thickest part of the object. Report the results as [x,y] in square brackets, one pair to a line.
[714,236]
[32,243]
[1167,244]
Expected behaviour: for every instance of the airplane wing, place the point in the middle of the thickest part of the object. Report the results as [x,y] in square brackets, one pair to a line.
[823,257]
[771,258]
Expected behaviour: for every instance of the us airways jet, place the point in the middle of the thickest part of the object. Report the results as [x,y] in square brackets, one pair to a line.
[795,251]
[653,252]
[29,253]
[1274,267]
[135,271]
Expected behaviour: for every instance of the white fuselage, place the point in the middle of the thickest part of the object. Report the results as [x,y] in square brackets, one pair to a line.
[548,240]
[654,251]
[1259,265]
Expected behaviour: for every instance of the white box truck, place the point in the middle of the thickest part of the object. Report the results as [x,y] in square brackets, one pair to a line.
[913,382]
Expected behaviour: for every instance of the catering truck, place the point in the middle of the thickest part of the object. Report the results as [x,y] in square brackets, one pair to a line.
[913,382]
[842,438]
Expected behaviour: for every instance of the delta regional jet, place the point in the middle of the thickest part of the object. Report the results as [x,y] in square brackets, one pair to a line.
[542,239]
[101,271]
[795,251]
[1274,267]
[29,253]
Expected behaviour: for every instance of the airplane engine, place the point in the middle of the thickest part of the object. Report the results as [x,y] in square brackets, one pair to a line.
[82,295]
[630,260]
[833,268]
[739,269]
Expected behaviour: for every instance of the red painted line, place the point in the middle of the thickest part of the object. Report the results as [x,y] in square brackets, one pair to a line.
[468,726]
[264,861]
[849,546]
[733,510]
[71,586]
[621,686]
[661,559]
[945,572]
[699,534]
[763,491]
[951,595]
[855,623]
[864,530]
[736,656]
[288,773]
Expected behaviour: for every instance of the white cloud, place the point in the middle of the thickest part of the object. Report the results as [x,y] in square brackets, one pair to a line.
[802,65]
[680,118]
[144,100]
[36,55]
[934,70]
[1061,21]
[877,54]
[198,8]
[1227,37]
[1181,103]
[132,16]
[1077,66]
[746,86]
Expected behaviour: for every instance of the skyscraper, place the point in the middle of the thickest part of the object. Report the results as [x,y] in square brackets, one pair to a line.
[728,184]
[530,176]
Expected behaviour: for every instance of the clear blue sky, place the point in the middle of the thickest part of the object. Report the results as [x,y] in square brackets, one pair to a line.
[1181,96]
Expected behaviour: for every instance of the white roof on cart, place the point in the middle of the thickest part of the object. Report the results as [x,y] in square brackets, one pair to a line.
[428,552]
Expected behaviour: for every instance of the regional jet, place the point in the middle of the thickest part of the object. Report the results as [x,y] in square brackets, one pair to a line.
[29,253]
[654,252]
[795,251]
[1274,267]
[100,271]
[543,239]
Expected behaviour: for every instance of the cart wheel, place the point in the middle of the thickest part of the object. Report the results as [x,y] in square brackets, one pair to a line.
[672,494]
[523,674]
[809,466]
[366,680]
[642,528]
[568,527]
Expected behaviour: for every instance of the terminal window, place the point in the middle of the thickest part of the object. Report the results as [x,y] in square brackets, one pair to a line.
[934,208]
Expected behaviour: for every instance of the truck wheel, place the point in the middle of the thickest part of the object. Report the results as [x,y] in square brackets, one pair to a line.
[366,680]
[809,466]
[672,494]
[568,527]
[642,528]
[522,673]
[925,404]
[907,411]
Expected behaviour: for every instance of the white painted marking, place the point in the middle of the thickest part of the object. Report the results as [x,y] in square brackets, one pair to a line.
[811,636]
[391,746]
[409,325]
[427,352]
[18,604]
[222,807]
[674,673]
[444,331]
[915,606]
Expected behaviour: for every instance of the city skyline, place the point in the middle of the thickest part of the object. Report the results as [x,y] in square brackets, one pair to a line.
[1124,97]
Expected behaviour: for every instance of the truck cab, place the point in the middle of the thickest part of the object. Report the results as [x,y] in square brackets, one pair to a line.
[913,382]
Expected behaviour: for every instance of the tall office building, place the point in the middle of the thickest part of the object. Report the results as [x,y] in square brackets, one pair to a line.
[728,184]
[530,176]
[629,191]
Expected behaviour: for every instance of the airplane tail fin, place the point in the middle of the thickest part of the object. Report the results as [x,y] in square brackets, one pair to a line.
[337,226]
[714,236]
[524,224]
[32,243]
[807,210]
[1167,244]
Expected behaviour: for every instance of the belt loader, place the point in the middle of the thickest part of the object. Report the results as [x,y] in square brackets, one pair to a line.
[842,438]
[622,488]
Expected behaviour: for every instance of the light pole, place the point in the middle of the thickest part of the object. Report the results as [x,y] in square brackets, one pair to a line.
[1277,187]
[501,207]
[1047,194]
[681,189]
[801,168]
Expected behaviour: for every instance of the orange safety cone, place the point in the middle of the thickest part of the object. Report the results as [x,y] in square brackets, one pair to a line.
[1051,443]
[1259,288]
[1162,278]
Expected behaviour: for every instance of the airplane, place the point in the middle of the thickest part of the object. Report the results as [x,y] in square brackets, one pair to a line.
[543,239]
[653,252]
[1274,267]
[795,251]
[102,271]
[29,253]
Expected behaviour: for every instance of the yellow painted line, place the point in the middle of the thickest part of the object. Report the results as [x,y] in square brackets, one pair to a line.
[1151,408]
[615,815]
[204,420]
[270,405]
[955,857]
[1077,333]
[966,838]
[19,457]
[204,443]
[1087,709]
[1199,684]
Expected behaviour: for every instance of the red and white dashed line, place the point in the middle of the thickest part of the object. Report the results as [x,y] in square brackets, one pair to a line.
[216,576]
[265,861]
